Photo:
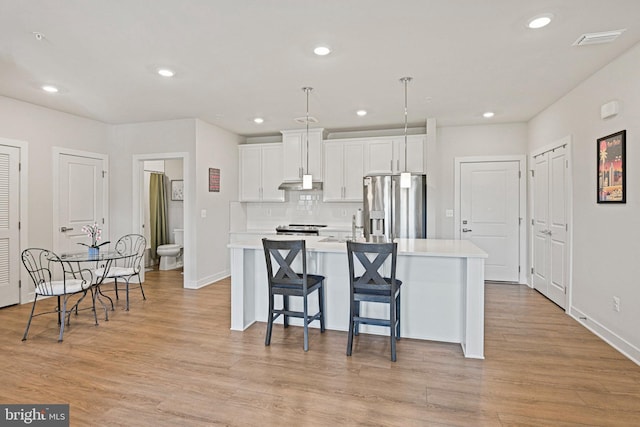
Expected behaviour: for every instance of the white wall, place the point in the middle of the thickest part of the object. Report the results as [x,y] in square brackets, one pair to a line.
[42,129]
[463,141]
[215,148]
[141,138]
[173,170]
[606,238]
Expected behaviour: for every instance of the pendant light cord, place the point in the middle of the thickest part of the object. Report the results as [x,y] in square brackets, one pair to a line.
[406,81]
[307,90]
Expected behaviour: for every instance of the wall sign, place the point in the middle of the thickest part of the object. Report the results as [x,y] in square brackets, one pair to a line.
[214,180]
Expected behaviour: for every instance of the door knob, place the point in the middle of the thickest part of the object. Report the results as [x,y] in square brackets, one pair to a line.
[466,230]
[63,229]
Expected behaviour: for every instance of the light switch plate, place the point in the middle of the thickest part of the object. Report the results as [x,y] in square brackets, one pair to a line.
[203,213]
[448,213]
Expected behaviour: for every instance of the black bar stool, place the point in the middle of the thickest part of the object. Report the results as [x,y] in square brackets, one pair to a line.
[371,286]
[287,282]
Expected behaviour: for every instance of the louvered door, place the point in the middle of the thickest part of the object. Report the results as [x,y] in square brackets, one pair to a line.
[9,222]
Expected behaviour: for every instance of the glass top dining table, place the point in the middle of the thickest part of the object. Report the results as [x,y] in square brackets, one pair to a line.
[103,260]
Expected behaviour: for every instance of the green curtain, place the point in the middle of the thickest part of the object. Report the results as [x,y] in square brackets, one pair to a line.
[157,212]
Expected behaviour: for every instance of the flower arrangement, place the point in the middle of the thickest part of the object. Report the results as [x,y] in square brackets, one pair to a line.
[94,232]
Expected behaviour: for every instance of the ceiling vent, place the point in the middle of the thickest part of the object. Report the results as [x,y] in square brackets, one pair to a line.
[303,120]
[596,38]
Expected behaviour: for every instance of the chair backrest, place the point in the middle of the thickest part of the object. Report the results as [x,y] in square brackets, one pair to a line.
[45,267]
[285,252]
[133,245]
[372,278]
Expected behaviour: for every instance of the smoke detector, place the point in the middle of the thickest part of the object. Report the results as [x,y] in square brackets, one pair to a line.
[596,38]
[303,120]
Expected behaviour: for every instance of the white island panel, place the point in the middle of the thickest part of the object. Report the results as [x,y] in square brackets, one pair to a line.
[442,296]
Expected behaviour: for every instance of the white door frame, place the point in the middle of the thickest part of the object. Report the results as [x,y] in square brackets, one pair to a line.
[188,206]
[57,151]
[522,235]
[26,287]
[567,141]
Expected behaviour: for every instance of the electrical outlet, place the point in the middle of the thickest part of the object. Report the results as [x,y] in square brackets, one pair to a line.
[616,304]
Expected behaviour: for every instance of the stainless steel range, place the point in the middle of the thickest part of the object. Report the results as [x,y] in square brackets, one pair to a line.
[300,229]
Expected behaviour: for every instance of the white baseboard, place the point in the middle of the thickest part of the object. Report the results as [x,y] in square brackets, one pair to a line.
[200,283]
[623,346]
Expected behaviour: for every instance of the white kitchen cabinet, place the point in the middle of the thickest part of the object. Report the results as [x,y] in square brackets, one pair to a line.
[294,144]
[344,169]
[386,155]
[261,173]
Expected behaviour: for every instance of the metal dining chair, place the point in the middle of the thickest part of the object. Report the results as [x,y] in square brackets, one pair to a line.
[53,277]
[132,246]
[287,282]
[371,286]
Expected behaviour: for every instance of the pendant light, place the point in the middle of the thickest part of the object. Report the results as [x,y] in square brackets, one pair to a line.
[405,177]
[307,180]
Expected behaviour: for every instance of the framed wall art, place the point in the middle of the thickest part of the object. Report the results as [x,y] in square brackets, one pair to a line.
[612,180]
[177,190]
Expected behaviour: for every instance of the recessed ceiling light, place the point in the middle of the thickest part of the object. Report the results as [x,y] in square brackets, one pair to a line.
[165,72]
[322,50]
[361,113]
[49,88]
[488,114]
[258,120]
[539,21]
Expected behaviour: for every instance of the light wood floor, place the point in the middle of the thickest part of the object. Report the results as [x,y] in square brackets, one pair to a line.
[172,361]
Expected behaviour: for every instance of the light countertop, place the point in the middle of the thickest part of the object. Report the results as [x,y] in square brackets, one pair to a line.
[407,247]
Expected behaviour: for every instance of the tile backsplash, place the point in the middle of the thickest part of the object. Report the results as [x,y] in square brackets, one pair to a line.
[300,207]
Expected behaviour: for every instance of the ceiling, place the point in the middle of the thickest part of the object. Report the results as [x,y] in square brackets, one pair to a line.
[238,59]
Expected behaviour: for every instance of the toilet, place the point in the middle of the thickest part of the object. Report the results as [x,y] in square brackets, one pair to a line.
[171,254]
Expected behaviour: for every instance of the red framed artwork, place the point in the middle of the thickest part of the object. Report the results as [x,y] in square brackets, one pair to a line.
[214,180]
[612,168]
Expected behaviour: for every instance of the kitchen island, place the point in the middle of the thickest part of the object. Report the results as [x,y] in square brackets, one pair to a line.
[442,293]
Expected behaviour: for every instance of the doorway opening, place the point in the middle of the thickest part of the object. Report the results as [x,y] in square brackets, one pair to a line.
[160,210]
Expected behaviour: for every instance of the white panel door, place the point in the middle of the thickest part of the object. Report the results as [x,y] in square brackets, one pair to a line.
[80,200]
[9,221]
[490,214]
[550,245]
[541,254]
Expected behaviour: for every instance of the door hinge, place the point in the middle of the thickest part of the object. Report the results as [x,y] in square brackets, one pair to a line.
[565,290]
[518,269]
[19,225]
[19,167]
[19,284]
[532,223]
[102,221]
[531,270]
[533,173]
[519,221]
[519,174]
[104,173]
[566,227]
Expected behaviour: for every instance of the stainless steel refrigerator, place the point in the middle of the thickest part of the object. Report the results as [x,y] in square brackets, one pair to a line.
[392,212]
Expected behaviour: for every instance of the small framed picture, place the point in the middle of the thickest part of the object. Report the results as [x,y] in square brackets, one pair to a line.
[612,179]
[214,180]
[177,189]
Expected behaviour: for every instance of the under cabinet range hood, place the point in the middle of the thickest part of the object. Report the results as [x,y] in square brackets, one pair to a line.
[297,186]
